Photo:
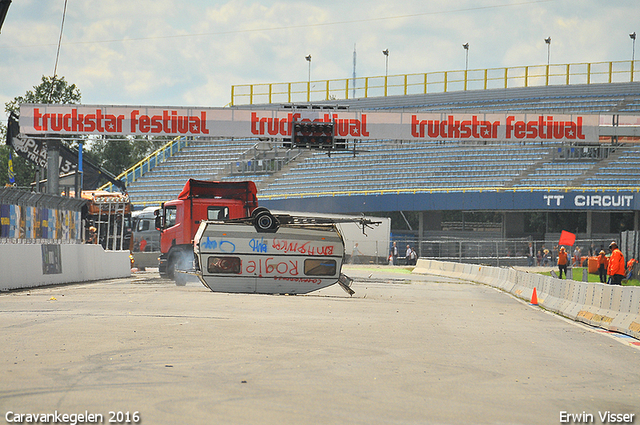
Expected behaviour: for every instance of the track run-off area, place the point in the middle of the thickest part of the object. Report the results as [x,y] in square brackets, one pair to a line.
[405,349]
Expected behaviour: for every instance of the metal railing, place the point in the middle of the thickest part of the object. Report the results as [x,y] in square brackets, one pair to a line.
[262,158]
[435,82]
[501,251]
[110,220]
[450,190]
[147,164]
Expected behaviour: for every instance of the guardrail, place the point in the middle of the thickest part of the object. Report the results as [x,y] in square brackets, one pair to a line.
[436,82]
[147,164]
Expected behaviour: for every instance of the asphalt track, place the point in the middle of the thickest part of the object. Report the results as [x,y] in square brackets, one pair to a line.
[405,349]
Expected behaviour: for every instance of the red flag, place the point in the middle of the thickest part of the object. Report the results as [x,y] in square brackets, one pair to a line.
[567,238]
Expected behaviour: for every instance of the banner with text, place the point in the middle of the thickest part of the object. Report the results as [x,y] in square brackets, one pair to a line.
[276,123]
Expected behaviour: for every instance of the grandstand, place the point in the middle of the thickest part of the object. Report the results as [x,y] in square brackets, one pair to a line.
[429,177]
[381,165]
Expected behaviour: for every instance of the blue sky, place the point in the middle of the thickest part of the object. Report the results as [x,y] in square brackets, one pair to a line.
[189,53]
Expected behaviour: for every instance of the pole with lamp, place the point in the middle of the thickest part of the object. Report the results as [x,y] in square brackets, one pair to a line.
[548,41]
[633,52]
[386,69]
[308,58]
[466,63]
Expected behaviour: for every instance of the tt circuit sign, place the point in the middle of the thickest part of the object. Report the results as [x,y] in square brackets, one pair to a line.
[277,123]
[614,201]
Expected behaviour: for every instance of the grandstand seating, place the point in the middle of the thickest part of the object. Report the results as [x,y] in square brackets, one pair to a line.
[624,172]
[204,159]
[393,165]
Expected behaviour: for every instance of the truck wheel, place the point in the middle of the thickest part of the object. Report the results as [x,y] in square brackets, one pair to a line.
[264,221]
[176,262]
[180,279]
[171,268]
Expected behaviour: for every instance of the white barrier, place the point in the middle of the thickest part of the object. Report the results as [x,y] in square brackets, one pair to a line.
[32,265]
[615,308]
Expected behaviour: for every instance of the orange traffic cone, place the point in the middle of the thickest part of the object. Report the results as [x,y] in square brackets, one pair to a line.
[534,297]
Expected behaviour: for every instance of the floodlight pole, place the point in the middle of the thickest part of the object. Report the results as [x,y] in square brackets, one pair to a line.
[386,69]
[466,63]
[308,58]
[633,52]
[548,41]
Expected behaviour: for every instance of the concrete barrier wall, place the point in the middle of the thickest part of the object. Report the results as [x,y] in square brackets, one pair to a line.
[145,259]
[23,265]
[615,308]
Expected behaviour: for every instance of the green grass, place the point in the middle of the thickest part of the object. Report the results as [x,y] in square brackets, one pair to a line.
[577,273]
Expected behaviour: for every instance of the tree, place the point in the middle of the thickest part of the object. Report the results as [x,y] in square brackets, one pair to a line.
[115,154]
[23,169]
[118,153]
[50,90]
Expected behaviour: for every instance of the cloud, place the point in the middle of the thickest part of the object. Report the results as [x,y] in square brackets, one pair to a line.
[170,52]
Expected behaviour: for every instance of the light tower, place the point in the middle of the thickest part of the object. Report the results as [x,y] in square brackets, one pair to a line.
[386,69]
[308,58]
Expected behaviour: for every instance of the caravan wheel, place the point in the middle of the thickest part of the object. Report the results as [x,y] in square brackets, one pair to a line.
[264,221]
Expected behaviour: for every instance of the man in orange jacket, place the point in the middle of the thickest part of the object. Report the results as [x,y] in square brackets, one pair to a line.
[563,260]
[616,265]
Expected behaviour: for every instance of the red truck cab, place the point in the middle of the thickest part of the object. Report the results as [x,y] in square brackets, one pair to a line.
[199,200]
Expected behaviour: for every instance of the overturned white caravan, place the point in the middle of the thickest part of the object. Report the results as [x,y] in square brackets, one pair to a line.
[271,254]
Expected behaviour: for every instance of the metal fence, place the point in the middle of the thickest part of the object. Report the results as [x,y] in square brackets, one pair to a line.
[436,82]
[497,251]
[630,244]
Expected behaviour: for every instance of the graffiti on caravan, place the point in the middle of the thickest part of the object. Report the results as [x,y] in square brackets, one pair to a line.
[590,201]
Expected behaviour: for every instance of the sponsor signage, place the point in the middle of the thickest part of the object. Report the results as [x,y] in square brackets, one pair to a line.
[589,201]
[276,123]
[468,201]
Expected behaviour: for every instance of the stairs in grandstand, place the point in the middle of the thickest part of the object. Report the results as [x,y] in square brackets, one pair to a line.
[264,183]
[203,159]
[209,159]
[518,181]
[617,169]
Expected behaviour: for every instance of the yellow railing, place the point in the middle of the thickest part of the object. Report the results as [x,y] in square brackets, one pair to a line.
[449,190]
[435,82]
[142,167]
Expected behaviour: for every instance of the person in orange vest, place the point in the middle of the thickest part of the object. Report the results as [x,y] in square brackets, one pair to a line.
[602,268]
[616,265]
[630,265]
[563,260]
